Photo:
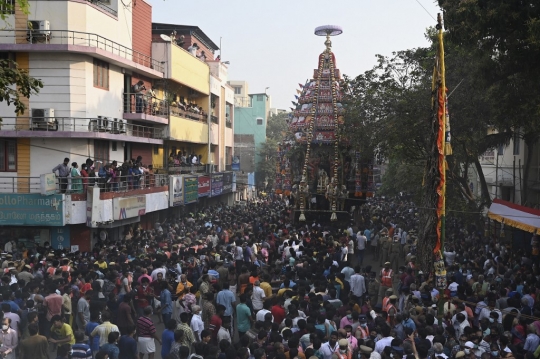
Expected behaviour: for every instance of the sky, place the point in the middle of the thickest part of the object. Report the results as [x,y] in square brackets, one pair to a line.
[272,43]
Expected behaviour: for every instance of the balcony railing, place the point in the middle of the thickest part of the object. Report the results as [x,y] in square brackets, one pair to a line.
[78,185]
[72,124]
[69,37]
[147,105]
[243,101]
[103,6]
[187,169]
[180,112]
[128,182]
[214,119]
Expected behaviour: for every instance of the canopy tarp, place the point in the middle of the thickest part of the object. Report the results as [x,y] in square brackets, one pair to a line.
[514,215]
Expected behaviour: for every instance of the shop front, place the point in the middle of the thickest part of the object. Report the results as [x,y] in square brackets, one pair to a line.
[31,219]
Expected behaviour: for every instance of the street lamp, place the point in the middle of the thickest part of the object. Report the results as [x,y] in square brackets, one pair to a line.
[265,90]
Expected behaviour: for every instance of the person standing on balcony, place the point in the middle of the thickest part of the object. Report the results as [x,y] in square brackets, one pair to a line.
[138,89]
[62,172]
[84,176]
[76,180]
[149,101]
[193,49]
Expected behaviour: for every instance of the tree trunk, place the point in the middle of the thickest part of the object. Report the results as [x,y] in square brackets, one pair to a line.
[530,148]
[484,191]
[427,230]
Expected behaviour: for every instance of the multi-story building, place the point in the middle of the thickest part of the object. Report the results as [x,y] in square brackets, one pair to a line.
[89,56]
[251,117]
[195,80]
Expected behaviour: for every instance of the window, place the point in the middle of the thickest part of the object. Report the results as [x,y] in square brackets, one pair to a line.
[7,7]
[156,150]
[517,142]
[500,150]
[101,74]
[8,56]
[238,90]
[260,98]
[8,155]
[114,146]
[259,121]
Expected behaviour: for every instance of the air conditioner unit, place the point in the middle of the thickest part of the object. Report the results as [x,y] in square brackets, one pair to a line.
[114,125]
[103,124]
[122,126]
[42,117]
[39,27]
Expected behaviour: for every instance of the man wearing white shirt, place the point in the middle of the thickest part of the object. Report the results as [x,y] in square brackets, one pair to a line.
[358,283]
[385,341]
[329,348]
[257,298]
[261,313]
[360,246]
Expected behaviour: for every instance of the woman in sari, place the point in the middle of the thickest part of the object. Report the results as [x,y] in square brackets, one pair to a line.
[76,180]
[84,175]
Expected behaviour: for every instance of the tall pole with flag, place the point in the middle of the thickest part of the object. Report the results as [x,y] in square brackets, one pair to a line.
[444,149]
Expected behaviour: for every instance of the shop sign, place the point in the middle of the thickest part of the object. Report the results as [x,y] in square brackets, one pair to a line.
[60,238]
[227,182]
[32,209]
[176,191]
[217,184]
[191,189]
[235,165]
[129,207]
[204,186]
[48,184]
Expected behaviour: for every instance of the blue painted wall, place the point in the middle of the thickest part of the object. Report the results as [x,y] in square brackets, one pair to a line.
[245,121]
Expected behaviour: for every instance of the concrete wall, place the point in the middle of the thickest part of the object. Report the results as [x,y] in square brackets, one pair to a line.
[245,121]
[142,27]
[182,67]
[68,81]
[46,153]
[181,129]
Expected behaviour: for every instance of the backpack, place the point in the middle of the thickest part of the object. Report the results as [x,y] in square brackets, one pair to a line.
[108,287]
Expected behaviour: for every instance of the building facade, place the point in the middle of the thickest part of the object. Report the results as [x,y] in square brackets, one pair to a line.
[252,118]
[90,57]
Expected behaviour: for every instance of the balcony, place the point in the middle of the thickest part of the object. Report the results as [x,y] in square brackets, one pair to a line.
[144,108]
[240,101]
[81,42]
[228,124]
[182,67]
[70,127]
[189,114]
[103,7]
[120,184]
[186,169]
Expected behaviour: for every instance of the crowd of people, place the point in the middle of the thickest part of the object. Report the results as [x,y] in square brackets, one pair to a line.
[109,177]
[244,282]
[181,158]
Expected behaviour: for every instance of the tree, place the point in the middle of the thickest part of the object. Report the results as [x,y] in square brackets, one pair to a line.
[275,130]
[14,83]
[504,37]
[8,7]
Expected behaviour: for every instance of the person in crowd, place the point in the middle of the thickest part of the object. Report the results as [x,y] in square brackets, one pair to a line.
[308,300]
